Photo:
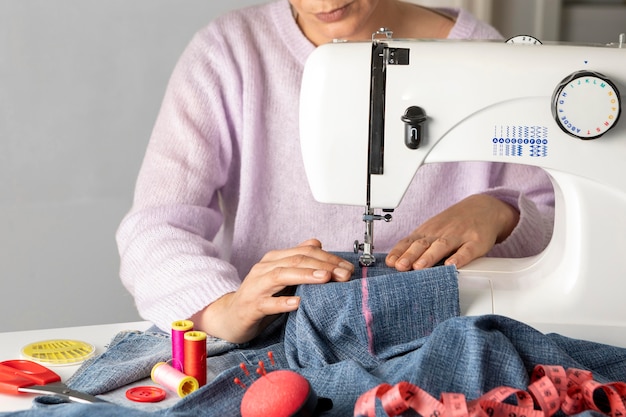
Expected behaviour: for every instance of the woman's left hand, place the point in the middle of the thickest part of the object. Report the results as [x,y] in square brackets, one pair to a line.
[461,233]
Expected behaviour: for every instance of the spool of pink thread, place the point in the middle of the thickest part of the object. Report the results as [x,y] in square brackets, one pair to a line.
[174,380]
[179,328]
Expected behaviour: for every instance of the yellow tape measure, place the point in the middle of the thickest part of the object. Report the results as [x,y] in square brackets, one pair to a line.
[58,352]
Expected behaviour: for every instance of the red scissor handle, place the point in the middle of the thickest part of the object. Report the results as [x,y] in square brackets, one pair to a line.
[19,373]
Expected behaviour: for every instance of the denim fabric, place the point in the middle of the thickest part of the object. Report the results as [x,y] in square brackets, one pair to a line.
[130,357]
[347,338]
[362,321]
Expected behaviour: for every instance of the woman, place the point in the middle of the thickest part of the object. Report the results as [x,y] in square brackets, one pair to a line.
[223,219]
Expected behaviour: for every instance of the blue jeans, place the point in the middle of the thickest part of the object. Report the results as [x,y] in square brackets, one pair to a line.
[345,339]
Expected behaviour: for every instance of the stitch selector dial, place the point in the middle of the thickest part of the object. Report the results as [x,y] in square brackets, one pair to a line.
[586,104]
[524,40]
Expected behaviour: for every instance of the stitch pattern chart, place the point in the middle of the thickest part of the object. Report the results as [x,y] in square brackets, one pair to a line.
[517,141]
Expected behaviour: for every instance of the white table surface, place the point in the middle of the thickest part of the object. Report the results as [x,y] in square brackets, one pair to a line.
[11,344]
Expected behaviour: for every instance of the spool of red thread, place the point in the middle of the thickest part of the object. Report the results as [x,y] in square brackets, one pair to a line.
[179,328]
[194,363]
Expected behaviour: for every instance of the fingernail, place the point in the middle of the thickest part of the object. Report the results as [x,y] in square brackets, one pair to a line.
[342,273]
[451,261]
[392,259]
[419,264]
[346,265]
[292,301]
[404,263]
[320,274]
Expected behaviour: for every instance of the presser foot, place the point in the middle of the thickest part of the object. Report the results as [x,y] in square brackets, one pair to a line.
[366,258]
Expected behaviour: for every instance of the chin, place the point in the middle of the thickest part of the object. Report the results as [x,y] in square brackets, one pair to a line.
[346,32]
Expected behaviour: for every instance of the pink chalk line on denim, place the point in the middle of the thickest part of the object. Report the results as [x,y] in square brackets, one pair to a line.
[367,313]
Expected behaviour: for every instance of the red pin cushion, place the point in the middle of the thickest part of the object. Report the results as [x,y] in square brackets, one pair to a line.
[280,393]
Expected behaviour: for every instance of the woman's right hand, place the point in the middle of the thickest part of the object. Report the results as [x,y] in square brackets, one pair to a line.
[264,293]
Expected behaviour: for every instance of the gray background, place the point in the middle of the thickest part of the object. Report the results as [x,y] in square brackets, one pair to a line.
[81,82]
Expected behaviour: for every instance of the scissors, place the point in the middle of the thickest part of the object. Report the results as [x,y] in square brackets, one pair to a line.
[21,376]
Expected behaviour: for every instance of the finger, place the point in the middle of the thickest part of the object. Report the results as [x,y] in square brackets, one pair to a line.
[332,266]
[271,293]
[279,278]
[263,308]
[397,251]
[310,248]
[313,259]
[311,242]
[402,250]
[411,254]
[277,305]
[437,250]
[333,261]
[464,255]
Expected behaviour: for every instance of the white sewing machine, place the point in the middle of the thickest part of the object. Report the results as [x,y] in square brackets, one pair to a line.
[373,112]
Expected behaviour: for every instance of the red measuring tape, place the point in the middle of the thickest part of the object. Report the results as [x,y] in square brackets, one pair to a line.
[552,389]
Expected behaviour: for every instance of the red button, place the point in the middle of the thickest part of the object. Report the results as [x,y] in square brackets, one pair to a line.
[146,394]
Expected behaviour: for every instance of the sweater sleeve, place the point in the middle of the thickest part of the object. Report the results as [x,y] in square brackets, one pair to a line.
[169,262]
[529,190]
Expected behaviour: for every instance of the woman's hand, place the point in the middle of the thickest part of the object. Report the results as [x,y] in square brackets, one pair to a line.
[265,292]
[461,233]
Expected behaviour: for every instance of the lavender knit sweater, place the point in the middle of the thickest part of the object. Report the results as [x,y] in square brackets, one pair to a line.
[223,182]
